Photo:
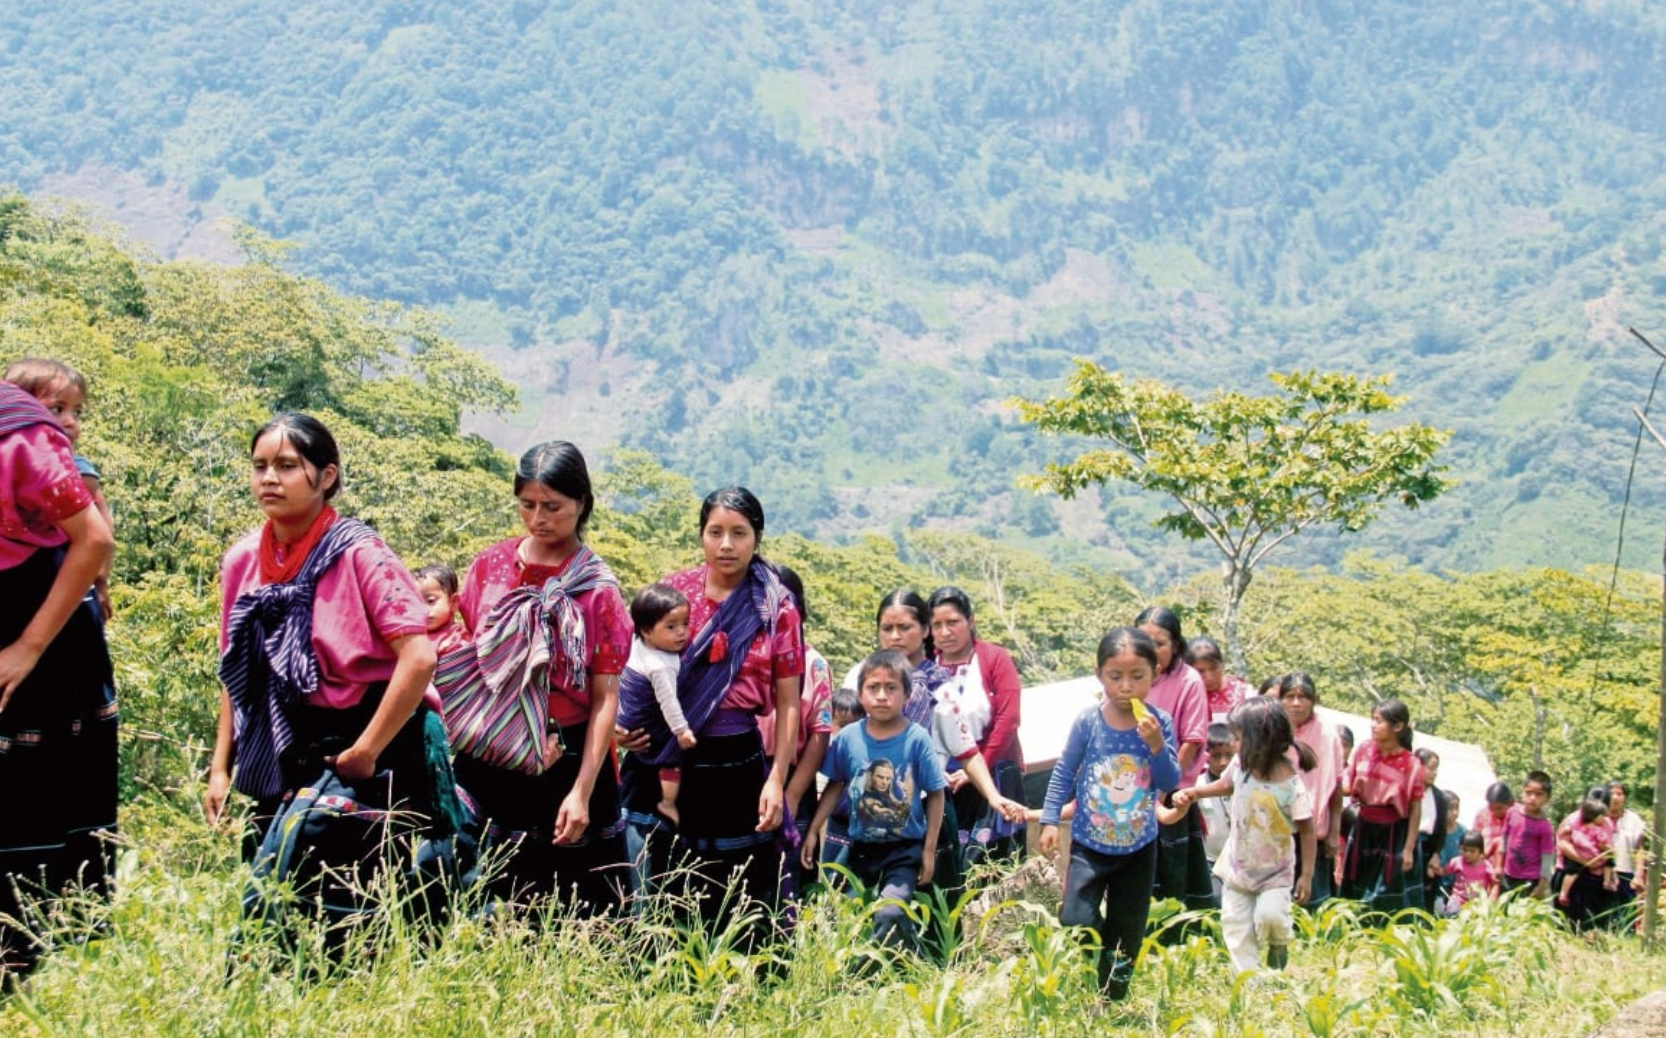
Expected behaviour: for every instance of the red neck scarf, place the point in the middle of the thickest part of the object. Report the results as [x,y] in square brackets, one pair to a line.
[281,563]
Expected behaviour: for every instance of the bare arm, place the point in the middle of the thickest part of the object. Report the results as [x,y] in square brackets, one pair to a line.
[219,767]
[573,817]
[804,772]
[786,734]
[413,669]
[90,545]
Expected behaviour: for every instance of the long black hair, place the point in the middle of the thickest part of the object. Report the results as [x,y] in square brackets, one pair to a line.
[1265,735]
[1161,616]
[311,440]
[558,466]
[1395,712]
[906,598]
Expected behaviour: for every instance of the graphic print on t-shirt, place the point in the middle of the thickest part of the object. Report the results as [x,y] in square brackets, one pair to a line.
[1119,799]
[881,800]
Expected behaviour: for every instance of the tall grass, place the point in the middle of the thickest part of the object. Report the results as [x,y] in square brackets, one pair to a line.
[162,968]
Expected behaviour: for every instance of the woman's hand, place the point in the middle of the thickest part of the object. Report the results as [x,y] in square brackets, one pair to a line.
[214,798]
[353,764]
[17,662]
[807,855]
[958,780]
[634,741]
[1408,859]
[573,818]
[769,805]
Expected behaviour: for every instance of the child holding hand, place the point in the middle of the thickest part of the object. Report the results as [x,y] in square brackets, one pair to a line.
[1119,757]
[896,795]
[1270,804]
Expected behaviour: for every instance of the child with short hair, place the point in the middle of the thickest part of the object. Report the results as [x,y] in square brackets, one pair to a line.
[438,584]
[1219,748]
[64,392]
[659,614]
[1385,781]
[1586,837]
[897,792]
[1472,875]
[1489,822]
[1529,845]
[1119,757]
[845,706]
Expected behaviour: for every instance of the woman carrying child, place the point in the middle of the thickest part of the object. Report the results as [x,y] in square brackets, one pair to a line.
[1385,780]
[1118,758]
[1270,805]
[563,826]
[745,657]
[1585,861]
[54,671]
[325,663]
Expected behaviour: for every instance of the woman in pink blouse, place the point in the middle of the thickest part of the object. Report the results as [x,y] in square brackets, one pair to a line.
[325,662]
[563,827]
[1182,862]
[54,672]
[744,658]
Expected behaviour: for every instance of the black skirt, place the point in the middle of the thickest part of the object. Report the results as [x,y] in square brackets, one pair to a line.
[519,811]
[58,764]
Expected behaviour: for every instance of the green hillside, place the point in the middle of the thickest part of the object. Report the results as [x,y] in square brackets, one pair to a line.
[813,246]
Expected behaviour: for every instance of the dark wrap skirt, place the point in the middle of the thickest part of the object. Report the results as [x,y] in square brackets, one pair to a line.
[58,764]
[522,865]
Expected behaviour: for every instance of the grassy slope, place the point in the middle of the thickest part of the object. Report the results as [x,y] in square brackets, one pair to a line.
[163,971]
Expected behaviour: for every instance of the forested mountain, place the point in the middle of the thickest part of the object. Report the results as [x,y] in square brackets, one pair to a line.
[813,245]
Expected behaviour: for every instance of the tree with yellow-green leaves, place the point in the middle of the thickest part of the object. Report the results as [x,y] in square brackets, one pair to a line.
[1246,473]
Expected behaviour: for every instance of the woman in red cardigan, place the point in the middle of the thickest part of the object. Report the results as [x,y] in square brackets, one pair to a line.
[984,686]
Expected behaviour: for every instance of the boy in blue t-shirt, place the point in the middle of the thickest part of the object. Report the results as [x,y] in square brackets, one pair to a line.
[888,762]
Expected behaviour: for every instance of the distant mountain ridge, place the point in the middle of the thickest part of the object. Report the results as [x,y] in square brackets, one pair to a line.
[813,246]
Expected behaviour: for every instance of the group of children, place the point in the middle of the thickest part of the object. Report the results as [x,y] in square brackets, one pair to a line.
[1270,794]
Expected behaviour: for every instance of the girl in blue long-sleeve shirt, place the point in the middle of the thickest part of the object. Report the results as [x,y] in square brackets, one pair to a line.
[1119,757]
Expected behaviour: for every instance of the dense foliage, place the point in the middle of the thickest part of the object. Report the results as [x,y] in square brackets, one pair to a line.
[815,243]
[1541,667]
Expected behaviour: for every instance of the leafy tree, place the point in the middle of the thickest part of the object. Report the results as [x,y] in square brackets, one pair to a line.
[1247,473]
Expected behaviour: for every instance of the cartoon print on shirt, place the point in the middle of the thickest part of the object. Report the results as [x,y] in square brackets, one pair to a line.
[1119,793]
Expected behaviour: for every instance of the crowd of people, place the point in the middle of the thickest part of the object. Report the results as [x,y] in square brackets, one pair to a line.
[563,744]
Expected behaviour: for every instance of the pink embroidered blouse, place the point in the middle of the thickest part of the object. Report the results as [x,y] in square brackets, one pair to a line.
[362,603]
[607,622]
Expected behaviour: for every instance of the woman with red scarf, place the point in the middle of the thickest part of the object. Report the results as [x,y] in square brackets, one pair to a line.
[325,662]
[55,801]
[563,827]
[744,659]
